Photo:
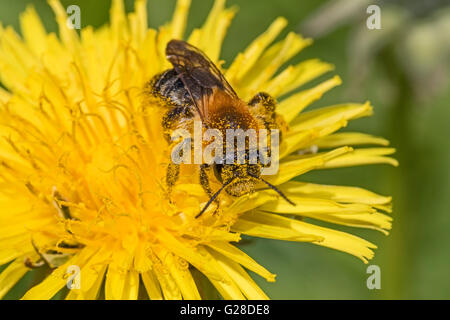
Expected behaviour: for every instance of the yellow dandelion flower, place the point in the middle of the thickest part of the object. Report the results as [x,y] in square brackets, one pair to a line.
[83,162]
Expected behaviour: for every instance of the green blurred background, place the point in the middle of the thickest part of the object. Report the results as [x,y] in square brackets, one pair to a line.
[403,69]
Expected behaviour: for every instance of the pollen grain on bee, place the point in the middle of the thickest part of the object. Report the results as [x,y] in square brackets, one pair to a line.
[239,146]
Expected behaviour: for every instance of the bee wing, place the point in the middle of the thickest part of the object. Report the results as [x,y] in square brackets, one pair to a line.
[199,74]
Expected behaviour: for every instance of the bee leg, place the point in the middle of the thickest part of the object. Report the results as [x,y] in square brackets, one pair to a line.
[263,107]
[172,175]
[167,122]
[204,181]
[264,102]
[177,117]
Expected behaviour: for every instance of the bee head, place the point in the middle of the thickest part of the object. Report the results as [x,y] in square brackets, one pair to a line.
[238,180]
[244,177]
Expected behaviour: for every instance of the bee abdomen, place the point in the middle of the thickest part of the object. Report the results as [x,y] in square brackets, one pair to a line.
[169,87]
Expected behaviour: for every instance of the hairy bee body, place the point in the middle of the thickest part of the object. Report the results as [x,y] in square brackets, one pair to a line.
[168,87]
[195,89]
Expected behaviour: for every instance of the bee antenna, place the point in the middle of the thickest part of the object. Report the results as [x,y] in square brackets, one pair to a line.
[271,186]
[214,197]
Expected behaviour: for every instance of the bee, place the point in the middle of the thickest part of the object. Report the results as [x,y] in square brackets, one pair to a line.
[195,90]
